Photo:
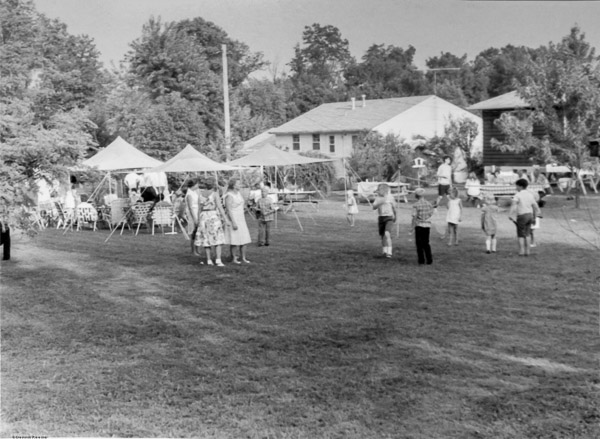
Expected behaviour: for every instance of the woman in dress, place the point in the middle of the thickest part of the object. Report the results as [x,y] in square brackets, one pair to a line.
[191,213]
[210,228]
[238,234]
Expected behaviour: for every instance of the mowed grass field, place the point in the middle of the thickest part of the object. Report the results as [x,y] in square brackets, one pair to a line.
[318,338]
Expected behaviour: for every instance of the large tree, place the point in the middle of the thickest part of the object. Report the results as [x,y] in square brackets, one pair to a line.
[386,72]
[186,58]
[47,78]
[241,62]
[562,84]
[318,68]
[324,54]
[448,75]
[57,70]
[496,70]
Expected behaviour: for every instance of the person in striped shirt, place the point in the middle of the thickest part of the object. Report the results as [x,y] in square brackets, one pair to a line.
[422,211]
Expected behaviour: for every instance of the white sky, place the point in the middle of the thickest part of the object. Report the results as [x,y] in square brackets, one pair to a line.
[274,27]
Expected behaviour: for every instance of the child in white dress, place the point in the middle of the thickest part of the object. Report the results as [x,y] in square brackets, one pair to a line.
[454,216]
[351,207]
[489,222]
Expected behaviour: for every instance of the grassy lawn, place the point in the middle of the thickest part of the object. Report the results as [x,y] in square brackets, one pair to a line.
[317,338]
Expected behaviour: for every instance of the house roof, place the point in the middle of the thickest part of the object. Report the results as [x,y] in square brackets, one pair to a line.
[339,117]
[258,141]
[506,101]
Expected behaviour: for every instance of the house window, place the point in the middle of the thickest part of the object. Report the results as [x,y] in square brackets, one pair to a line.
[331,143]
[296,142]
[354,141]
[316,141]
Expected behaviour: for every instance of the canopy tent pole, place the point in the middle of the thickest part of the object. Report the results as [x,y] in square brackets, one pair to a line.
[123,220]
[345,181]
[95,191]
[298,219]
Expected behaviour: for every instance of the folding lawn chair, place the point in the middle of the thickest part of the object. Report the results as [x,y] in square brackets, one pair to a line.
[140,213]
[119,210]
[162,215]
[66,216]
[86,214]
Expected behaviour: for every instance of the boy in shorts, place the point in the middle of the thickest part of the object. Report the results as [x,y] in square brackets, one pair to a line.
[384,203]
[523,210]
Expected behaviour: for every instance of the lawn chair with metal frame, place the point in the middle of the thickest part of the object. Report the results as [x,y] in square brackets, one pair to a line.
[119,210]
[140,213]
[162,215]
[86,214]
[65,216]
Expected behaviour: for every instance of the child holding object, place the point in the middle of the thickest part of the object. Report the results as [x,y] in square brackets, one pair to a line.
[384,203]
[422,212]
[454,216]
[265,214]
[351,207]
[489,222]
[523,210]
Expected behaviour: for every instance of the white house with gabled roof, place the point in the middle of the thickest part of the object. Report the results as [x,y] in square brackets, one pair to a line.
[331,128]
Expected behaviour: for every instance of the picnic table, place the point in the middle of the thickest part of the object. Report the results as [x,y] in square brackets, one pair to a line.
[289,199]
[507,190]
[367,189]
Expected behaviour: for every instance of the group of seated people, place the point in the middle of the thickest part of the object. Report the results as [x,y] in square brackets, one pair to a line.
[473,184]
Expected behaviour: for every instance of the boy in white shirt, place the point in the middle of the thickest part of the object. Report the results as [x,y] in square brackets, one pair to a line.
[384,203]
[523,210]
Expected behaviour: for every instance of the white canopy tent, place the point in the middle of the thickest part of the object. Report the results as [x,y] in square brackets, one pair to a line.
[269,155]
[121,155]
[191,160]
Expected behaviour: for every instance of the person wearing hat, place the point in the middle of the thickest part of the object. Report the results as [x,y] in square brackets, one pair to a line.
[422,211]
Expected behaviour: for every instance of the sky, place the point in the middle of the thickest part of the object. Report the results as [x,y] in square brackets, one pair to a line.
[274,27]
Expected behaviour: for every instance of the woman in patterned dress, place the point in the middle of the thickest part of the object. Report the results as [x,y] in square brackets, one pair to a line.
[210,233]
[238,234]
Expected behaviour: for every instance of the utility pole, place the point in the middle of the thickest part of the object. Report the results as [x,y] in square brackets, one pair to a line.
[435,75]
[226,102]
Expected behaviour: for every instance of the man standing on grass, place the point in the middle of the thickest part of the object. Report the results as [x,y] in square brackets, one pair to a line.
[523,211]
[444,176]
[422,212]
